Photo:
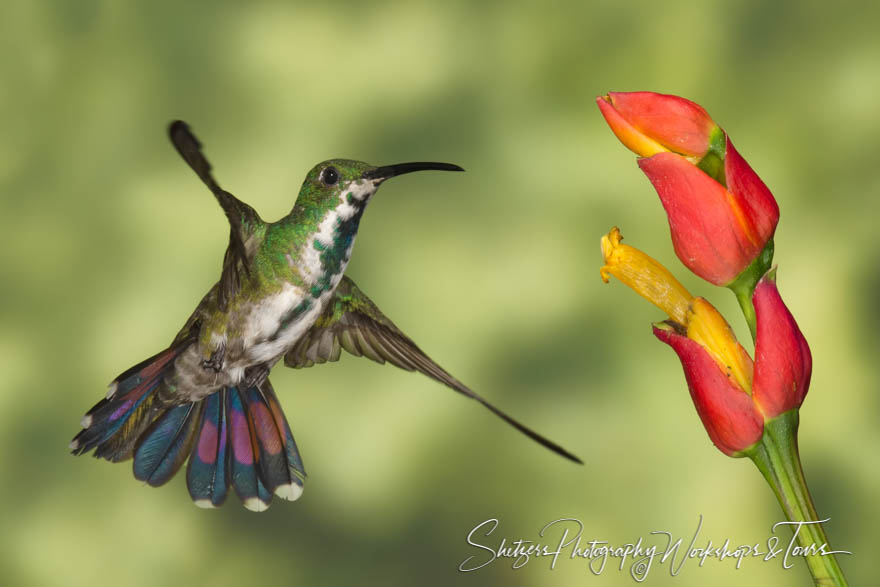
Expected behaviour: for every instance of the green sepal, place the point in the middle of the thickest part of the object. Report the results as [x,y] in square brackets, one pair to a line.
[743,285]
[712,162]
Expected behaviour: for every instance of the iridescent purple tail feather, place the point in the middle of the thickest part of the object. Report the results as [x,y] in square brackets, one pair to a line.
[232,437]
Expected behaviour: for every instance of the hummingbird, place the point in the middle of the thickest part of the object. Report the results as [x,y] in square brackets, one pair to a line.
[282,294]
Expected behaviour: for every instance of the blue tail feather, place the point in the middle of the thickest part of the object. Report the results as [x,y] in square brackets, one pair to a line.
[206,474]
[166,445]
[113,425]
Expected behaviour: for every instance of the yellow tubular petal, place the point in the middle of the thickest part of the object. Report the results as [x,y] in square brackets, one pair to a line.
[645,276]
[640,144]
[706,326]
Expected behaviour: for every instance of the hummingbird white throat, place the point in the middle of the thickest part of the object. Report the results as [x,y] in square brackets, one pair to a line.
[283,293]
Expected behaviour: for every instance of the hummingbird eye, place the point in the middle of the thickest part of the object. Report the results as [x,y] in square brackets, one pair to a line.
[330,176]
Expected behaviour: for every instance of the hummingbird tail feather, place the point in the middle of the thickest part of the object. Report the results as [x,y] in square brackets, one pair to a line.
[263,458]
[113,426]
[133,422]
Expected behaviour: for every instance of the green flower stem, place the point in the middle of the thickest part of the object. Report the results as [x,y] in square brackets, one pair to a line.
[744,285]
[744,297]
[776,456]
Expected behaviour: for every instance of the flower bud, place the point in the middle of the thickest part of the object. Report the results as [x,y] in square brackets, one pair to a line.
[721,215]
[648,123]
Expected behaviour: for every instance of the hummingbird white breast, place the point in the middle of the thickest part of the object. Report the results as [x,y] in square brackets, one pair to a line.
[278,322]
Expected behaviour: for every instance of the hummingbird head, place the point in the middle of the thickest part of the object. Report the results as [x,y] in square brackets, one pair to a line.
[343,181]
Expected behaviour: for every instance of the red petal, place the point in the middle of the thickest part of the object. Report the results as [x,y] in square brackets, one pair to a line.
[751,195]
[728,413]
[631,137]
[680,125]
[707,229]
[783,363]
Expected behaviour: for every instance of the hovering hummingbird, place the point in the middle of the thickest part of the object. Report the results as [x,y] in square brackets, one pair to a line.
[282,294]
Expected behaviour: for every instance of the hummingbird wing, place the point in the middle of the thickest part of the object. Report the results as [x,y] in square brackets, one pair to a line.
[242,218]
[352,322]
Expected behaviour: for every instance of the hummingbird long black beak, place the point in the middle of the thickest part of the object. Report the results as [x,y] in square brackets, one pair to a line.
[388,171]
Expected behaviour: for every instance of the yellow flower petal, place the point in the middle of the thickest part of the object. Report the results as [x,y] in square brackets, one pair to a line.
[706,326]
[645,276]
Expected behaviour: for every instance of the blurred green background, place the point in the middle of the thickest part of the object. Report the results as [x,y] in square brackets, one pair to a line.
[109,241]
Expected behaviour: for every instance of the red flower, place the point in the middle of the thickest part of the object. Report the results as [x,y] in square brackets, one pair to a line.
[733,395]
[720,213]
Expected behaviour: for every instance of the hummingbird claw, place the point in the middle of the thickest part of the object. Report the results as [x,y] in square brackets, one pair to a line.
[215,362]
[255,376]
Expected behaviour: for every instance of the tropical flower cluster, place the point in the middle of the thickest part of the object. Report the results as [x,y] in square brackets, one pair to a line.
[722,219]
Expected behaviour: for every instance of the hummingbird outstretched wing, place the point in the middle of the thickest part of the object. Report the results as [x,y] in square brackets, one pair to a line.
[242,218]
[353,322]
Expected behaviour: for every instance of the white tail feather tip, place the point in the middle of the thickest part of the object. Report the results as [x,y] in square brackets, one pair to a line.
[255,504]
[289,491]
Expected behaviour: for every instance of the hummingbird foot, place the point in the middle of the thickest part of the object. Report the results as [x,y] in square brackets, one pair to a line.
[215,362]
[255,376]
